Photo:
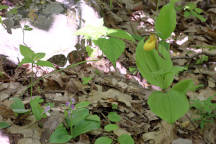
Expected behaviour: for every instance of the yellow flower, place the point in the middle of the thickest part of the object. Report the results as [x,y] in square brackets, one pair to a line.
[150,44]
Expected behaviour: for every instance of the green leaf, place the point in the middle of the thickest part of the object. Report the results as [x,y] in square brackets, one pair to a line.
[112,48]
[114,117]
[155,69]
[39,56]
[166,21]
[200,17]
[85,80]
[3,7]
[111,127]
[184,86]
[84,126]
[103,140]
[82,104]
[198,10]
[26,52]
[125,139]
[17,106]
[60,135]
[26,60]
[13,11]
[114,106]
[27,28]
[92,32]
[89,51]
[93,118]
[4,125]
[118,33]
[0,20]
[37,110]
[190,6]
[78,115]
[187,14]
[44,63]
[169,106]
[174,1]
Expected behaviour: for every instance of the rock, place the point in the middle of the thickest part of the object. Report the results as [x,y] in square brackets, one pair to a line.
[59,60]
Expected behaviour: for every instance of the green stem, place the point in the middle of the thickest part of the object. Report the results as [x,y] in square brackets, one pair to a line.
[31,82]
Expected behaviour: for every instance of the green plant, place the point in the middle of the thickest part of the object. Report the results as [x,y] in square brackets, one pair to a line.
[206,110]
[122,139]
[18,108]
[133,70]
[202,59]
[34,59]
[191,10]
[85,80]
[154,64]
[4,125]
[77,120]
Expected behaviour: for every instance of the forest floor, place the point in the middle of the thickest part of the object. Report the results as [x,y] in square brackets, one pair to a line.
[192,44]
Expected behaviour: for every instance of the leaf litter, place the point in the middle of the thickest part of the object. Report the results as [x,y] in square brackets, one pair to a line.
[111,87]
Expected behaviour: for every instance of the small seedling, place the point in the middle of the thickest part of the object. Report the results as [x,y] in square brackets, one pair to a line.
[85,80]
[202,59]
[191,10]
[122,139]
[206,111]
[133,70]
[78,121]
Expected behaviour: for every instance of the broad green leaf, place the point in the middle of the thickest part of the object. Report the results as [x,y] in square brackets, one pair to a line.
[82,104]
[166,21]
[84,126]
[184,86]
[174,1]
[17,106]
[103,140]
[169,106]
[112,48]
[93,118]
[114,117]
[26,60]
[157,70]
[125,139]
[44,63]
[60,135]
[111,127]
[78,115]
[4,125]
[3,7]
[39,56]
[92,32]
[26,52]
[37,110]
[118,33]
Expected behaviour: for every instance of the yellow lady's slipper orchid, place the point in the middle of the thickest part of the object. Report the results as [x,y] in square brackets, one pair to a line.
[151,43]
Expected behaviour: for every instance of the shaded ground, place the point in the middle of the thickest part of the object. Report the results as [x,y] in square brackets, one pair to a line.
[191,41]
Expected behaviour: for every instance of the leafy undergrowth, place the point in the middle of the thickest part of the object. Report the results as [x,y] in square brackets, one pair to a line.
[81,104]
